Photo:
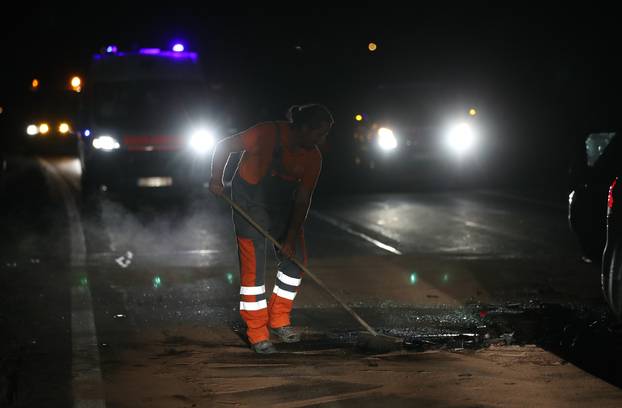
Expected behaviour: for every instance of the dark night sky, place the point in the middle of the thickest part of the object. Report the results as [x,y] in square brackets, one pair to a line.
[524,55]
[478,39]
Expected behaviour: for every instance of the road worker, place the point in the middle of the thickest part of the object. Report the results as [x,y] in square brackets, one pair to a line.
[274,182]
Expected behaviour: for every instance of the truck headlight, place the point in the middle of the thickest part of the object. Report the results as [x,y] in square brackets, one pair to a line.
[106,143]
[32,130]
[461,138]
[386,139]
[201,140]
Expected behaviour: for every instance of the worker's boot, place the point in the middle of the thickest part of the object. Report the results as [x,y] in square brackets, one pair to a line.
[264,347]
[286,334]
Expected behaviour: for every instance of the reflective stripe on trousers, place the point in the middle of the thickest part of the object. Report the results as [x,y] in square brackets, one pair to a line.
[257,313]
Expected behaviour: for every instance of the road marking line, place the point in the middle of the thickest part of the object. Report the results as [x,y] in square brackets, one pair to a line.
[345,227]
[85,364]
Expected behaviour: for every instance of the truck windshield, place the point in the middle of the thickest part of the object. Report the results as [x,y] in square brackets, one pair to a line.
[136,102]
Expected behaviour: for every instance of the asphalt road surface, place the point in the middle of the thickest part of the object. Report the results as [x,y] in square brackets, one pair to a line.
[127,301]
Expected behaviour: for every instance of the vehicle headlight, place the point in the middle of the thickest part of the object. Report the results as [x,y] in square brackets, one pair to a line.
[461,138]
[63,128]
[44,128]
[202,140]
[106,142]
[32,130]
[386,139]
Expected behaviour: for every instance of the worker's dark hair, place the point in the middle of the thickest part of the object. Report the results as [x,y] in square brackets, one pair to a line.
[312,115]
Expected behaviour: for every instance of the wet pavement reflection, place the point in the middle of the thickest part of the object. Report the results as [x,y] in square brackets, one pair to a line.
[473,271]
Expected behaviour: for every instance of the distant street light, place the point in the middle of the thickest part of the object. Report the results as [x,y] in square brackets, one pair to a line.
[372,46]
[76,83]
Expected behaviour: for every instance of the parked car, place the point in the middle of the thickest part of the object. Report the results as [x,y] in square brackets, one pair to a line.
[591,176]
[612,256]
[595,210]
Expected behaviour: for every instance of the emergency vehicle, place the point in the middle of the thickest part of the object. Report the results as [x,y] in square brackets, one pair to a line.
[148,121]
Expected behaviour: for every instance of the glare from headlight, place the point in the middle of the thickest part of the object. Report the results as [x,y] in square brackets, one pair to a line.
[63,128]
[461,138]
[386,139]
[201,141]
[44,128]
[32,130]
[107,143]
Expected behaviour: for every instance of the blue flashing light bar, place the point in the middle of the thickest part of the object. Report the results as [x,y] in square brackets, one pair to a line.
[180,55]
[148,51]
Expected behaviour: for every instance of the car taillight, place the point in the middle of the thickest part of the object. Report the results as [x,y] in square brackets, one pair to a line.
[610,197]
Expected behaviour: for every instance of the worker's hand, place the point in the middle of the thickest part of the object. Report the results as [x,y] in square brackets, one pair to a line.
[288,248]
[216,186]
